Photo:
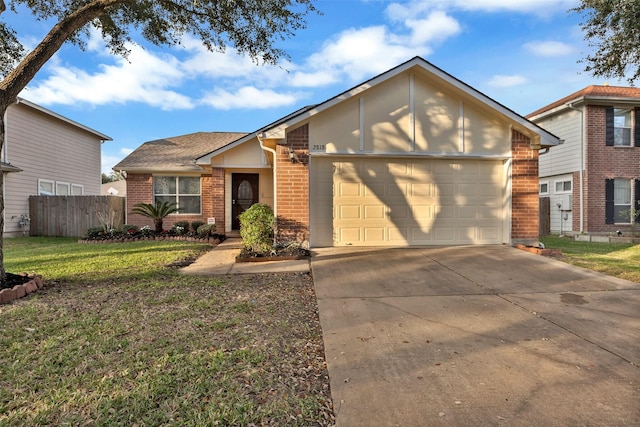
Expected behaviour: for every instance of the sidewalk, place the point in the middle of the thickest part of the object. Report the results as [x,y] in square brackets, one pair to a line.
[221,260]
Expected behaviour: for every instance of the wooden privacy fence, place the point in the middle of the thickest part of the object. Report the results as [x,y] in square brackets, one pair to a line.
[545,216]
[72,216]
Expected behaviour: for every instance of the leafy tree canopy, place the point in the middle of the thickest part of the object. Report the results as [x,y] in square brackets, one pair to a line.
[612,27]
[251,26]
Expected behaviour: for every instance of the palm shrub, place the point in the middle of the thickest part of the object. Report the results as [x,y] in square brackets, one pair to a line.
[157,212]
[256,228]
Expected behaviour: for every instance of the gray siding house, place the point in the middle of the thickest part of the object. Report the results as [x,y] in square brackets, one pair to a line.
[45,153]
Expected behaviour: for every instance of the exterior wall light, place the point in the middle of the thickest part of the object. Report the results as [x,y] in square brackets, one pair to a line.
[292,155]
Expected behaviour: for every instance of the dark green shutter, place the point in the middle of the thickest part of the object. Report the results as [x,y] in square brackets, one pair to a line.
[636,127]
[610,125]
[608,202]
[636,196]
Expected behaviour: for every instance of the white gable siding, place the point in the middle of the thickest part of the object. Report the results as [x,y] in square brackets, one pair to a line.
[46,148]
[563,158]
[410,113]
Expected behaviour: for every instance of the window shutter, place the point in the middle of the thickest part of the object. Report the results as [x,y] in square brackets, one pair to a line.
[610,125]
[608,202]
[636,127]
[636,197]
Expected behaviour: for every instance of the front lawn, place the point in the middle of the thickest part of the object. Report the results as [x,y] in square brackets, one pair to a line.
[118,338]
[615,259]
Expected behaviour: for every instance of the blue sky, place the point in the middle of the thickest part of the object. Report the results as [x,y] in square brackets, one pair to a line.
[522,53]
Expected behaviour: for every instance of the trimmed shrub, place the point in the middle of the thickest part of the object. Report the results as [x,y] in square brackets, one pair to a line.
[180,227]
[196,224]
[129,228]
[256,228]
[95,232]
[206,230]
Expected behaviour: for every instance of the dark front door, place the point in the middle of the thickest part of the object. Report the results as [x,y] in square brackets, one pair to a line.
[244,193]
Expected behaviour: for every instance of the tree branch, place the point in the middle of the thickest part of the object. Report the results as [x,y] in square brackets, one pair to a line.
[3,7]
[35,60]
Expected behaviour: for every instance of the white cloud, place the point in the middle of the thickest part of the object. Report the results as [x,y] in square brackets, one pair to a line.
[247,97]
[507,81]
[436,27]
[404,10]
[144,78]
[549,48]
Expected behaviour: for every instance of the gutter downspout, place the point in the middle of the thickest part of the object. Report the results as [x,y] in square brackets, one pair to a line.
[275,188]
[582,124]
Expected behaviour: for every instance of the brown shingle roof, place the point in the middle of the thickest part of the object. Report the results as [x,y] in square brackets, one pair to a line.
[178,152]
[591,92]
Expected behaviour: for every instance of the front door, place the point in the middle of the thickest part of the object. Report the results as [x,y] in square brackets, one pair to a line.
[244,193]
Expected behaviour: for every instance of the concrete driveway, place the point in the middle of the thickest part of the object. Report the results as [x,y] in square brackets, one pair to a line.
[476,336]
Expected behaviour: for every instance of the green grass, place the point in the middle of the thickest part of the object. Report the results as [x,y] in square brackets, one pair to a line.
[117,338]
[615,259]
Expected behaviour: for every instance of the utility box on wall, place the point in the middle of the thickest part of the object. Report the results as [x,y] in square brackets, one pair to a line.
[565,202]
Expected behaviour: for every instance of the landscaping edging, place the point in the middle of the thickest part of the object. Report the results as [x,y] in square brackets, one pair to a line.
[270,258]
[540,251]
[19,291]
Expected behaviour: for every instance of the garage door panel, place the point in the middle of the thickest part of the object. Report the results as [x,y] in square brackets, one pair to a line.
[350,212]
[398,235]
[421,190]
[349,189]
[420,202]
[374,235]
[376,212]
[422,211]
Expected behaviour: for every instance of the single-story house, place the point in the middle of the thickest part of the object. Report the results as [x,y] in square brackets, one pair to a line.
[412,156]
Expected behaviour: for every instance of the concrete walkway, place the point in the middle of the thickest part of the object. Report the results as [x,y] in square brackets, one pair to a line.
[221,260]
[476,336]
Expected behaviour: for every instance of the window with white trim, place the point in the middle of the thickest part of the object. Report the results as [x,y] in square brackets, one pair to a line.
[63,188]
[544,188]
[77,190]
[563,186]
[621,200]
[622,127]
[183,190]
[46,187]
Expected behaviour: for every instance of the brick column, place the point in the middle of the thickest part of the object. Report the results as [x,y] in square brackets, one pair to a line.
[139,190]
[218,199]
[292,190]
[525,204]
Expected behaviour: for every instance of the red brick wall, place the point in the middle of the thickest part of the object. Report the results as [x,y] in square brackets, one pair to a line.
[293,187]
[524,189]
[140,190]
[216,202]
[603,163]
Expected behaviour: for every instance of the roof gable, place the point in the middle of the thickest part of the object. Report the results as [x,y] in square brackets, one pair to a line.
[539,135]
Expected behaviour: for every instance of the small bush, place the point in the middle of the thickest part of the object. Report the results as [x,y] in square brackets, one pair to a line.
[206,230]
[130,228]
[95,232]
[181,227]
[196,224]
[256,228]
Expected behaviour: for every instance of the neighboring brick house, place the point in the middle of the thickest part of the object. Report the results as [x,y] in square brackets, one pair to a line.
[45,153]
[412,156]
[593,178]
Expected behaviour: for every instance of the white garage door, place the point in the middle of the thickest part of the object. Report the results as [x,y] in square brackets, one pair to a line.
[384,202]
